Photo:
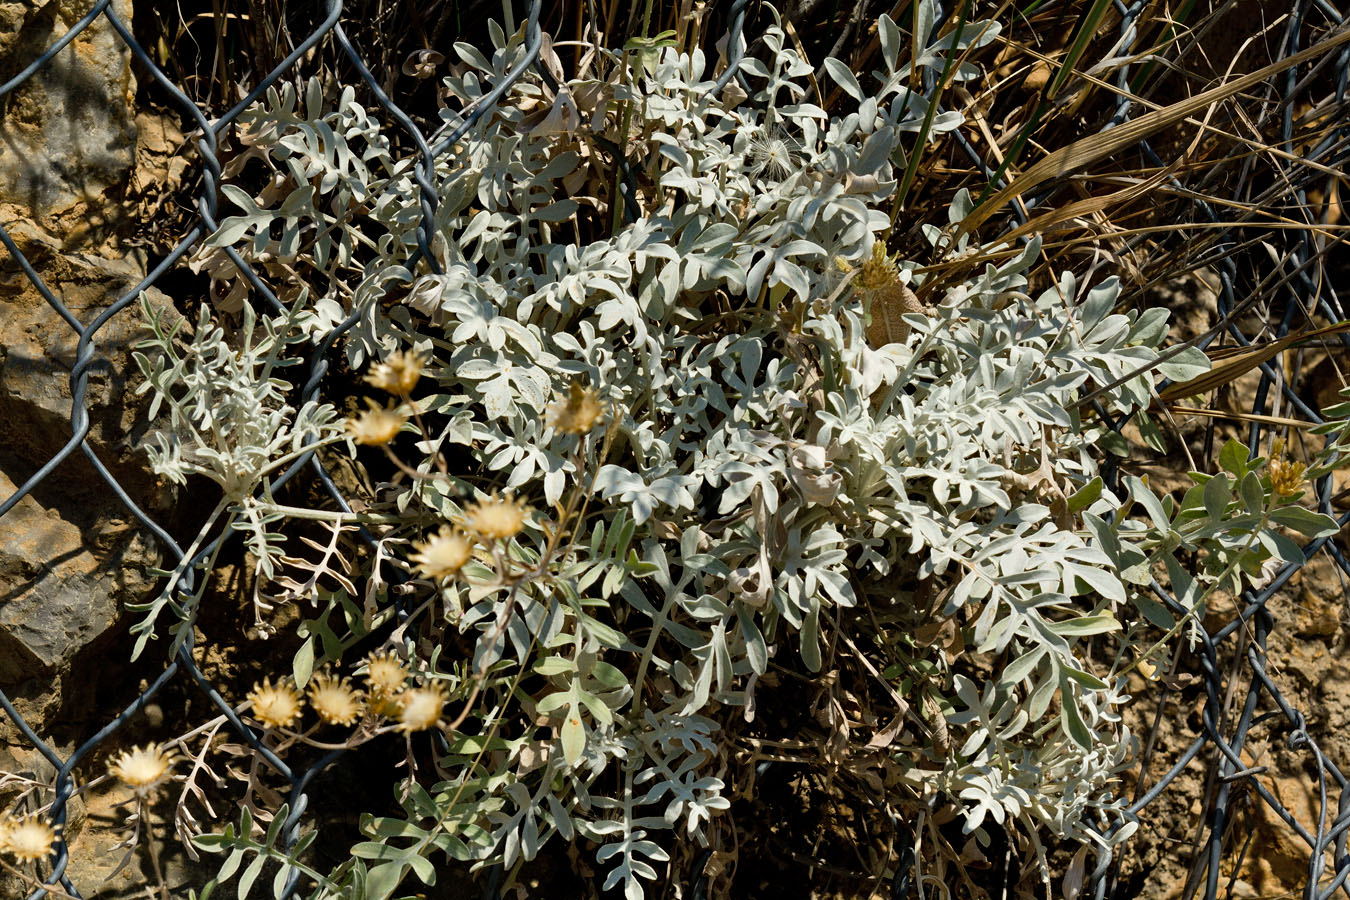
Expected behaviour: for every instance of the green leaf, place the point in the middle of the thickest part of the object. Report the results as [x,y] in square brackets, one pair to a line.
[1150,328]
[550,702]
[555,665]
[573,736]
[230,865]
[1189,363]
[1023,666]
[1305,521]
[384,827]
[844,77]
[1086,679]
[1086,495]
[303,665]
[597,708]
[1281,547]
[1233,457]
[608,675]
[1142,494]
[382,881]
[1114,442]
[1070,717]
[250,875]
[889,33]
[422,868]
[1154,611]
[1217,495]
[1253,493]
[610,637]
[1150,432]
[1082,626]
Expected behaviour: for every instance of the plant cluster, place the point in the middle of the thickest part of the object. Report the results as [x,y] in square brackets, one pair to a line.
[639,474]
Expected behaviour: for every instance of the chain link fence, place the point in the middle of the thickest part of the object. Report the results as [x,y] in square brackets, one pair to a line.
[1264,709]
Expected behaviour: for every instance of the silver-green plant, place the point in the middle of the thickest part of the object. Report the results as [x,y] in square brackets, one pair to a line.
[763,467]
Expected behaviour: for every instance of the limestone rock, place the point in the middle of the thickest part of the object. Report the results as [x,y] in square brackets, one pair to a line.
[68,134]
[38,350]
[66,572]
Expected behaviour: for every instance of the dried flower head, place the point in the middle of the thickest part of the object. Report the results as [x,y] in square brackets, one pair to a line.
[422,63]
[28,838]
[376,426]
[576,413]
[443,554]
[399,373]
[497,517]
[275,706]
[385,673]
[334,699]
[1286,475]
[887,299]
[143,768]
[420,708]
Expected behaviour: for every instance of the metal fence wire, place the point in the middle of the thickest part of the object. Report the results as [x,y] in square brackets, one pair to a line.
[1265,708]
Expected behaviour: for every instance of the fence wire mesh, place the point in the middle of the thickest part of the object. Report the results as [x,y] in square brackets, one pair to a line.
[1263,707]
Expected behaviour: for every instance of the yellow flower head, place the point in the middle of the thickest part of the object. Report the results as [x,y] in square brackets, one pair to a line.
[29,838]
[376,426]
[879,271]
[497,517]
[1286,475]
[576,413]
[443,554]
[275,707]
[385,673]
[399,372]
[334,699]
[421,708]
[143,768]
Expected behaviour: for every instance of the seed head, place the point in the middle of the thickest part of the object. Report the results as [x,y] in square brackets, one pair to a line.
[398,374]
[334,699]
[576,413]
[29,838]
[497,517]
[376,426]
[421,708]
[276,706]
[443,554]
[773,154]
[143,768]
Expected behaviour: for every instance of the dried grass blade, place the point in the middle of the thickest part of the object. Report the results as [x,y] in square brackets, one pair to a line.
[1230,364]
[1278,421]
[1089,205]
[1094,147]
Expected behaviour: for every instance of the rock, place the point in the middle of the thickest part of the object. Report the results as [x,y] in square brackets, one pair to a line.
[1320,599]
[66,572]
[67,134]
[38,350]
[71,554]
[1316,617]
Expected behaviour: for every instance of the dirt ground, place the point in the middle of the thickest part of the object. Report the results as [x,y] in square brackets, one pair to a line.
[1306,657]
